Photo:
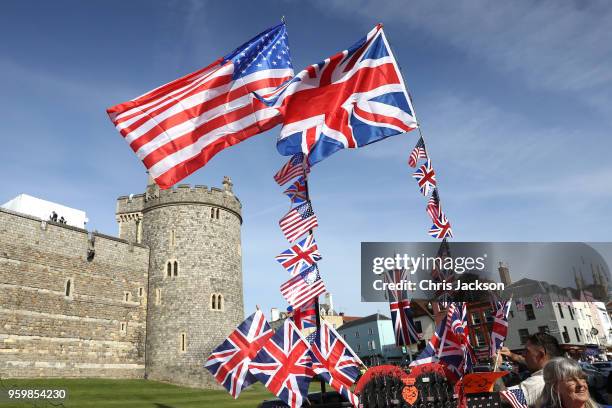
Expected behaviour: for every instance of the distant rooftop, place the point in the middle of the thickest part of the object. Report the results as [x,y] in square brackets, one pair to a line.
[43,209]
[363,320]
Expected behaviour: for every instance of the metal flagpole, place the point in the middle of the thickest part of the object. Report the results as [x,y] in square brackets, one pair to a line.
[317,307]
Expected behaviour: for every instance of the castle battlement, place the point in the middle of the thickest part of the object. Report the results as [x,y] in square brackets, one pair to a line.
[179,195]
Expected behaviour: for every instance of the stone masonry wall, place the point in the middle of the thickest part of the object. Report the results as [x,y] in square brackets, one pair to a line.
[43,332]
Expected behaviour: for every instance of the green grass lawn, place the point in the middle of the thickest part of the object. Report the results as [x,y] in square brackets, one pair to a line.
[98,393]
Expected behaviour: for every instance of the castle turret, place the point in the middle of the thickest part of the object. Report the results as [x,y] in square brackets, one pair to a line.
[195,275]
[504,274]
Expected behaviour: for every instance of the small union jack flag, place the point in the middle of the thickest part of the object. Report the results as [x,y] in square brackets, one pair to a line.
[335,362]
[441,227]
[297,191]
[296,166]
[417,153]
[515,397]
[305,316]
[300,256]
[229,363]
[284,365]
[499,331]
[426,177]
[433,205]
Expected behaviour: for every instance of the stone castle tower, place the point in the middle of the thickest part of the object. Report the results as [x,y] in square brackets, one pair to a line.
[195,296]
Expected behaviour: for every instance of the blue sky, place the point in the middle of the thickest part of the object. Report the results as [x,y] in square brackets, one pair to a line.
[513,98]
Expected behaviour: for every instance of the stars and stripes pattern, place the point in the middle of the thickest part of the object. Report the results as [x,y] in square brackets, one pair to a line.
[433,205]
[178,127]
[297,192]
[335,362]
[229,362]
[499,330]
[425,177]
[360,99]
[441,227]
[300,256]
[515,396]
[298,221]
[284,365]
[296,166]
[305,316]
[419,152]
[303,287]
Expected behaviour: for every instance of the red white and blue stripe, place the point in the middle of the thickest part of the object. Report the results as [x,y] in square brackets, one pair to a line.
[515,396]
[401,313]
[178,127]
[349,100]
[295,166]
[335,362]
[229,363]
[300,256]
[298,221]
[304,286]
[499,331]
[284,365]
[419,152]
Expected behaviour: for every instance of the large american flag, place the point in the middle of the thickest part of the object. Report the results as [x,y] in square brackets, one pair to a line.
[298,221]
[499,330]
[419,152]
[284,365]
[335,362]
[304,286]
[300,256]
[425,177]
[515,396]
[229,363]
[349,100]
[177,128]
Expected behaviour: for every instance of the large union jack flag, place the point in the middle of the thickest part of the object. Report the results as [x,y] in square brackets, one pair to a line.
[284,365]
[229,363]
[300,256]
[349,100]
[499,331]
[335,362]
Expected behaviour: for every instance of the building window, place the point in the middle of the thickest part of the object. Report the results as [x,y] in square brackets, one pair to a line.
[344,336]
[172,268]
[175,268]
[560,310]
[577,334]
[529,313]
[566,338]
[158,296]
[140,292]
[183,342]
[168,268]
[488,315]
[371,345]
[68,288]
[127,296]
[370,331]
[359,347]
[357,334]
[418,326]
[544,329]
[523,334]
[172,239]
[123,328]
[480,340]
[214,213]
[571,312]
[216,301]
[476,318]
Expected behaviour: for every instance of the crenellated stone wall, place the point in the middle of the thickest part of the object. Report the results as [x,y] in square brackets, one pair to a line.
[88,330]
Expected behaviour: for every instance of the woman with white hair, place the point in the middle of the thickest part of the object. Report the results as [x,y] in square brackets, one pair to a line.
[565,386]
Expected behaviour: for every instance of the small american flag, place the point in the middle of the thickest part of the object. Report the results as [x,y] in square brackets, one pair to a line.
[297,192]
[178,127]
[515,397]
[298,221]
[418,152]
[301,288]
[433,205]
[296,166]
[538,302]
[426,177]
